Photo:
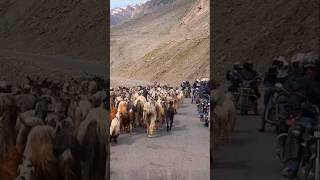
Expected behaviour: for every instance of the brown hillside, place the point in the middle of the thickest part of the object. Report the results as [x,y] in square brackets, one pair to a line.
[259,30]
[71,27]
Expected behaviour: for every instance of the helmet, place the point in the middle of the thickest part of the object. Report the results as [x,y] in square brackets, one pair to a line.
[280,58]
[92,86]
[309,65]
[26,87]
[298,58]
[285,63]
[236,63]
[282,61]
[204,79]
[248,64]
[310,60]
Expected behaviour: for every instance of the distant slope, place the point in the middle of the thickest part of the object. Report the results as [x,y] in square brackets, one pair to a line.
[72,27]
[169,45]
[259,30]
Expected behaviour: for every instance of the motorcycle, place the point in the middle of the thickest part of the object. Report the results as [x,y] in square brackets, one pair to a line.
[275,110]
[310,161]
[309,138]
[196,96]
[246,98]
[204,108]
[287,122]
[187,92]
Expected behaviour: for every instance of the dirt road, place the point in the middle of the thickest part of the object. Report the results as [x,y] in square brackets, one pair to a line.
[250,155]
[180,154]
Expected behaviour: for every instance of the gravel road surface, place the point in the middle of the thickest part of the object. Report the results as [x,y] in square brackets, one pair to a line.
[250,155]
[182,154]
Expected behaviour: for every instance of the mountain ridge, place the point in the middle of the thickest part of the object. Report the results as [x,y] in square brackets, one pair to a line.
[258,31]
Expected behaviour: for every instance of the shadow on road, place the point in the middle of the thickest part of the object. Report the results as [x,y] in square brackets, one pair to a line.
[240,141]
[230,164]
[140,132]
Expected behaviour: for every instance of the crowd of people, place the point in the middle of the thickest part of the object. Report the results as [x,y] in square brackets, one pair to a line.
[291,90]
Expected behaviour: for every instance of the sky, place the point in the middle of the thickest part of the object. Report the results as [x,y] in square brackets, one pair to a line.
[123,3]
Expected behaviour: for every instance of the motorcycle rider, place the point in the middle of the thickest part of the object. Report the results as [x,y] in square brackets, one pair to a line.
[194,87]
[306,88]
[183,85]
[234,76]
[204,95]
[277,73]
[188,84]
[282,70]
[204,87]
[249,74]
[189,88]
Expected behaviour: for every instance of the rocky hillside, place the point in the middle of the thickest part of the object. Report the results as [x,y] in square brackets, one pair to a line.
[69,27]
[169,44]
[258,30]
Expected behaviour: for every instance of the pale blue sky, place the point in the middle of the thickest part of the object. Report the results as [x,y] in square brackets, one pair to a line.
[123,3]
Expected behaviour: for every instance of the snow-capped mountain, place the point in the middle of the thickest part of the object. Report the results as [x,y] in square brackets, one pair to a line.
[121,14]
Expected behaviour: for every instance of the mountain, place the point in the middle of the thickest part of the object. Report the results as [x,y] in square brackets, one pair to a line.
[66,27]
[118,15]
[167,41]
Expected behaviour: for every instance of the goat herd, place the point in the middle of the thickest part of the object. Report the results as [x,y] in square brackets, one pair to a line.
[224,115]
[146,107]
[52,130]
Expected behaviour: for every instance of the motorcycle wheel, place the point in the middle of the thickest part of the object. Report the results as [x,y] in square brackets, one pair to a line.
[306,172]
[255,109]
[280,146]
[243,106]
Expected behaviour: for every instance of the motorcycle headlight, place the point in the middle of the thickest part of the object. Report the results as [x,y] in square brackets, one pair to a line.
[306,137]
[296,133]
